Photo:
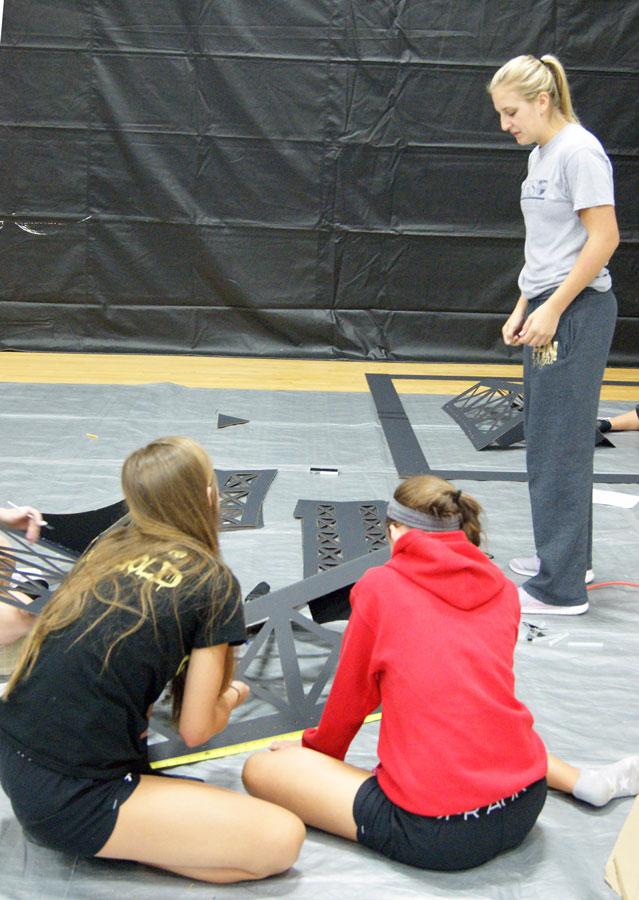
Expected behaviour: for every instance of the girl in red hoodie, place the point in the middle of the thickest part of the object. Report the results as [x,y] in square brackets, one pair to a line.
[461,773]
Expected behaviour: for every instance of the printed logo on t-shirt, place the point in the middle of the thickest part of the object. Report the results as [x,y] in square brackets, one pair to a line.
[161,572]
[534,189]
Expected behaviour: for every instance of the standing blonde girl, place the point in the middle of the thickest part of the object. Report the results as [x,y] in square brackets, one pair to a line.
[149,600]
[564,319]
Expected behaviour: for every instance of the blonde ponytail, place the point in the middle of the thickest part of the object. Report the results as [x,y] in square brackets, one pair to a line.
[564,100]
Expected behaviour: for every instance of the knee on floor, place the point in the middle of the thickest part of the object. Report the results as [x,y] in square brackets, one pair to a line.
[281,844]
[264,770]
[256,772]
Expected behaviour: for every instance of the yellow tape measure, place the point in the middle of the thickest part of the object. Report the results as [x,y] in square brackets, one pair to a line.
[233,749]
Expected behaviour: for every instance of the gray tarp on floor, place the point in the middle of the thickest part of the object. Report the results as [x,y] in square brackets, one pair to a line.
[62,446]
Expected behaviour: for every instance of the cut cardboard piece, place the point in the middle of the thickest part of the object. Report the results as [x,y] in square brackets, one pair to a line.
[226,421]
[335,532]
[490,413]
[34,569]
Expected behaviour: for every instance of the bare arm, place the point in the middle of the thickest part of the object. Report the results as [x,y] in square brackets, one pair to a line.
[603,238]
[561,775]
[206,707]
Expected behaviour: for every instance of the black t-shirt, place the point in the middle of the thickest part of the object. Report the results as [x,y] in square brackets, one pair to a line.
[77,717]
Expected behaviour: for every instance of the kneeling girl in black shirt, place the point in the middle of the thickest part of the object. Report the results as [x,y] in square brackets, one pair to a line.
[148,595]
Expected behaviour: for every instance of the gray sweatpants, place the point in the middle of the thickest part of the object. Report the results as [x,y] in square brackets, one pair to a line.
[561,399]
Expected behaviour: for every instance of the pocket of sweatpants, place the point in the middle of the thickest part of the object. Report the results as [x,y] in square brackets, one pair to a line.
[565,337]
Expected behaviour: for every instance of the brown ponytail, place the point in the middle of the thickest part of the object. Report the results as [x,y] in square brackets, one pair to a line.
[439,498]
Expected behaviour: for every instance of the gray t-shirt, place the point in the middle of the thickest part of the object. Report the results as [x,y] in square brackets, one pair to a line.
[569,173]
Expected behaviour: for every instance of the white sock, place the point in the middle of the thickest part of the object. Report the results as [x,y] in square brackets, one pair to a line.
[598,785]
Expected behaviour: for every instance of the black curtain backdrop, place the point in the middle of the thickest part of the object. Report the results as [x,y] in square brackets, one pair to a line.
[287,177]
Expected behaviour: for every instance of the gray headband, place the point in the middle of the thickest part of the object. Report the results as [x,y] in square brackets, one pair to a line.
[415,519]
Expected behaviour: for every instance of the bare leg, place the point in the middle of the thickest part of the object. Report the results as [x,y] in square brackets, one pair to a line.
[14,623]
[625,422]
[596,785]
[561,776]
[317,788]
[204,832]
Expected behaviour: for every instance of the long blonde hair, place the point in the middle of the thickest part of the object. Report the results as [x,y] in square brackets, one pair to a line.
[439,498]
[171,519]
[530,76]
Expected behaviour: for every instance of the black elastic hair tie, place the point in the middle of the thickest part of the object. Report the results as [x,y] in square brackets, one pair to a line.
[457,496]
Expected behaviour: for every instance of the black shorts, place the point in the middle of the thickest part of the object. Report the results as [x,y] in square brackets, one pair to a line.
[447,843]
[74,815]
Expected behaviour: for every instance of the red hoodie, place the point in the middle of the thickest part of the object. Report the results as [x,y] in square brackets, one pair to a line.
[431,637]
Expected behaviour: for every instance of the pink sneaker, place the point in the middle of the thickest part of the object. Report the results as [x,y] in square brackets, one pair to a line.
[533,607]
[529,565]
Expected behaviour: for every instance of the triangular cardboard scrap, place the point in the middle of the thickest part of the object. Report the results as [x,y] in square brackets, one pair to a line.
[224,421]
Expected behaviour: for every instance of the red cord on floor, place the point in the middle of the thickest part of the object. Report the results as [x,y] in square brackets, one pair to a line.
[591,587]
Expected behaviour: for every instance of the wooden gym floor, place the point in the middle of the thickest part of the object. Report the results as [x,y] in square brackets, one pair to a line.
[247,373]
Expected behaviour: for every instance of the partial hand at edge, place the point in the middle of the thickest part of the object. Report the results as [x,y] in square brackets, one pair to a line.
[284,745]
[25,518]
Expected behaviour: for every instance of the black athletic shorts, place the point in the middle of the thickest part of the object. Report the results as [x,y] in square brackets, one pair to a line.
[74,815]
[447,843]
